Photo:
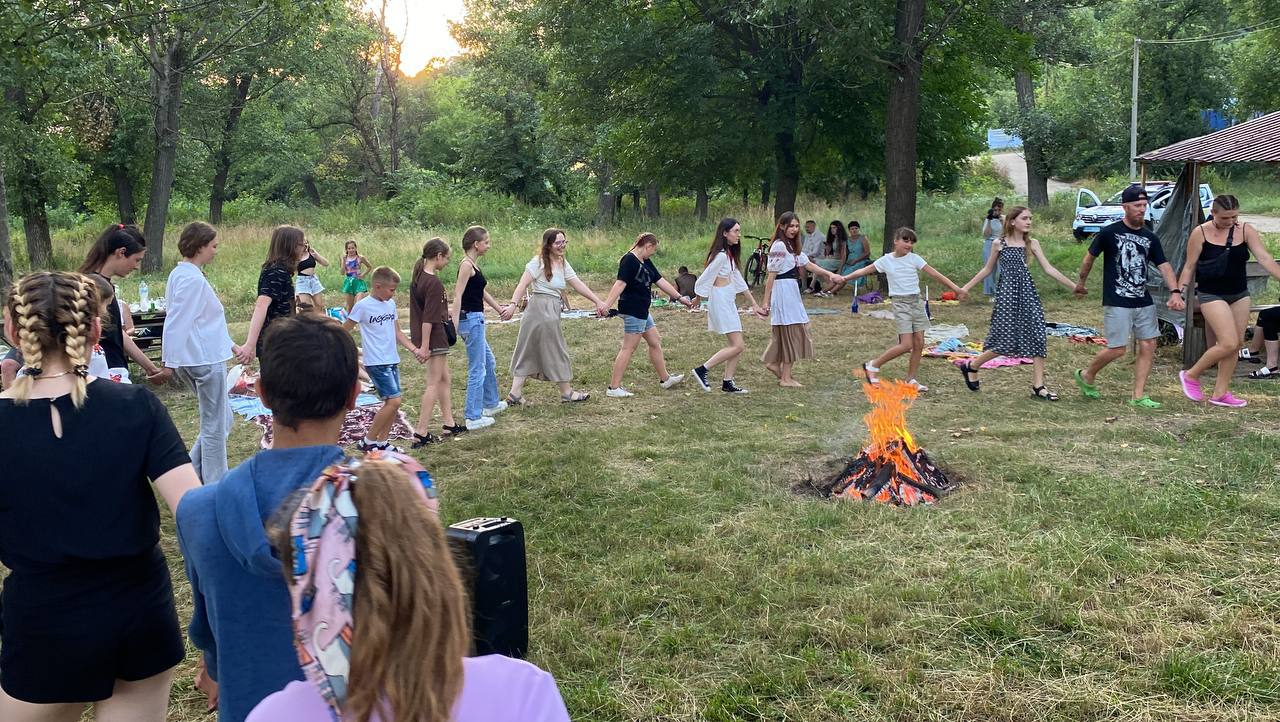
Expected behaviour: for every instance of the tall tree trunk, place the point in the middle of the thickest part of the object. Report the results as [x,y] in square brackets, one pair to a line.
[746,197]
[166,92]
[635,200]
[604,198]
[123,182]
[1037,177]
[237,96]
[900,153]
[32,203]
[309,188]
[6,247]
[702,200]
[652,201]
[766,191]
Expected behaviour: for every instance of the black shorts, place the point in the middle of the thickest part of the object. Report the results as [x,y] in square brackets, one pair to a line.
[66,637]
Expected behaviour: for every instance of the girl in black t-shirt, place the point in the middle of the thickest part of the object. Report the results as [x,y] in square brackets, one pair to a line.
[636,275]
[87,612]
[275,288]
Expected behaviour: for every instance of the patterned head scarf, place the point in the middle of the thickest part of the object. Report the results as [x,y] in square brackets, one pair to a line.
[322,581]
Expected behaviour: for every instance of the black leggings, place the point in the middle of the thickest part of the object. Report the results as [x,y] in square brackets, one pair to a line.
[1269,320]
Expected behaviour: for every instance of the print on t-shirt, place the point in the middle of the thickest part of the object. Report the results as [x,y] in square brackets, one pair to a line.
[1126,253]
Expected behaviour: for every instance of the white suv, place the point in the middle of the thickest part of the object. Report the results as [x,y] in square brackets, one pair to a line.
[1092,214]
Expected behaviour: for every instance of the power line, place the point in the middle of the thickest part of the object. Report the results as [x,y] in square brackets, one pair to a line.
[1224,35]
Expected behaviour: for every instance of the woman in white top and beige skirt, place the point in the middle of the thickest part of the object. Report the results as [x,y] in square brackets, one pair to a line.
[790,340]
[541,352]
[720,283]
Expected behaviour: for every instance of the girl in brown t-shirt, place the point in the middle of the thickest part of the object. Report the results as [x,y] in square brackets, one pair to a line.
[428,311]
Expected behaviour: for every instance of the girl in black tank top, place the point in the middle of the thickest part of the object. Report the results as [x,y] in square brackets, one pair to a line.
[470,298]
[1235,281]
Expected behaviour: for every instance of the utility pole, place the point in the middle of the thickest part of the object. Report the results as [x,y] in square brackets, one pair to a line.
[1133,117]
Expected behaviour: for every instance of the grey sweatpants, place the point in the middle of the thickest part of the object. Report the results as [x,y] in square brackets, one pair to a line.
[209,453]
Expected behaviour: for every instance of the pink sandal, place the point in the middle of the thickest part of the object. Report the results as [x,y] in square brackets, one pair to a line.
[1190,387]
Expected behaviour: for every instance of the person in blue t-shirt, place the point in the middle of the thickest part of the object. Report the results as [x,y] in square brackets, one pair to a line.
[1128,311]
[241,617]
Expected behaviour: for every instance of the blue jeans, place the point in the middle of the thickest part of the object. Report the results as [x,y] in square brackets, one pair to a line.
[482,368]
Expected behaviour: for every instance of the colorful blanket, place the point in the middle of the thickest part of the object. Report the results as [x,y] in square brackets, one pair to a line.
[251,406]
[354,426]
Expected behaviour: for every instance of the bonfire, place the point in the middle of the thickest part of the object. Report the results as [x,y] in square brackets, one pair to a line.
[891,468]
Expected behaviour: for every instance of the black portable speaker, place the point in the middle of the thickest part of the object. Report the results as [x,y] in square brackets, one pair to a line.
[490,556]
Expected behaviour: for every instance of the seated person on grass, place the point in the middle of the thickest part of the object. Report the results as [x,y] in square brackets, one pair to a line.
[685,282]
[241,615]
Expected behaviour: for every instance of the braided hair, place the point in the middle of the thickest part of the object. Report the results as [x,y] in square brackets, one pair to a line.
[53,312]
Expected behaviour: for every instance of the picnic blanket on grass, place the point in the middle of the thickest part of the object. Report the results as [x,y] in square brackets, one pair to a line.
[1074,333]
[958,351]
[251,406]
[354,426]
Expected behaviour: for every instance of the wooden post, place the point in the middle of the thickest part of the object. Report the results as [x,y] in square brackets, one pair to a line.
[1192,334]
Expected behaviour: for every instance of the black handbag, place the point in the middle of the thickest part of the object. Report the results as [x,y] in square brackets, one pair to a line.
[450,333]
[1212,269]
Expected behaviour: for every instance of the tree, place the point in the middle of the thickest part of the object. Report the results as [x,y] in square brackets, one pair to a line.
[6,249]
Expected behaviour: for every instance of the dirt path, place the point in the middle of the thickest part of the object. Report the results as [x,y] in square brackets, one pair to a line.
[1016,167]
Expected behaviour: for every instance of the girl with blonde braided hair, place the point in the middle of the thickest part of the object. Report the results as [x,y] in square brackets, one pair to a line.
[87,613]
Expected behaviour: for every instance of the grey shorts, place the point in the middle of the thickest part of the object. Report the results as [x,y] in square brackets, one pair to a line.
[908,313]
[1228,297]
[1120,323]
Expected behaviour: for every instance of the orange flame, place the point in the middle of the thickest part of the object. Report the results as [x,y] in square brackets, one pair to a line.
[887,420]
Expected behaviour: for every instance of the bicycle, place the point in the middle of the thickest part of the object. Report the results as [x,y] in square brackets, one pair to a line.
[754,269]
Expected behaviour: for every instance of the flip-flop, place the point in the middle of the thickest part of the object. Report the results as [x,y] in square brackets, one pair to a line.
[574,397]
[972,384]
[1089,390]
[1265,373]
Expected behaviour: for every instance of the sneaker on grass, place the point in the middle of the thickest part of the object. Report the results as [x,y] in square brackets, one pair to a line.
[618,393]
[672,380]
[480,423]
[700,375]
[502,406]
[729,387]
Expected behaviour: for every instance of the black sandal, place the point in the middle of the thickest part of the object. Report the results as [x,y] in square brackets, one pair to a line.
[973,384]
[420,441]
[1265,373]
[1044,394]
[453,430]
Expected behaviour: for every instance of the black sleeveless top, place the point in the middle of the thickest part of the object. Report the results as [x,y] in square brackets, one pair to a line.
[473,294]
[112,341]
[1235,280]
[307,263]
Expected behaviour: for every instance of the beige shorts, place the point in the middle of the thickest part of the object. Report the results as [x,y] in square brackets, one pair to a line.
[908,313]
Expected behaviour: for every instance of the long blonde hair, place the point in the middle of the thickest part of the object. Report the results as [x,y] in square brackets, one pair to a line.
[1008,226]
[411,623]
[53,312]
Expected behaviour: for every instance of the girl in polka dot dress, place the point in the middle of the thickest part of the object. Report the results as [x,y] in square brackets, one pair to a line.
[1017,320]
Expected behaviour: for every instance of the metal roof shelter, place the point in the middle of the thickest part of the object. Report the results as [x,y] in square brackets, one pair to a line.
[1254,141]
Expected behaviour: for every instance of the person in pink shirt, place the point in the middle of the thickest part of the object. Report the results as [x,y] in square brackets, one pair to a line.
[394,574]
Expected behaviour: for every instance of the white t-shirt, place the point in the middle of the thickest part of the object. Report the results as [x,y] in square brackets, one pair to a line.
[903,273]
[377,321]
[559,277]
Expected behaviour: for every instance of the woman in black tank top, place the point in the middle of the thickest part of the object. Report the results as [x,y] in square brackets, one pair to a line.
[116,254]
[1223,292]
[469,301]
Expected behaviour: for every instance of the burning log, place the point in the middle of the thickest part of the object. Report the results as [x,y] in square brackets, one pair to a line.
[891,469]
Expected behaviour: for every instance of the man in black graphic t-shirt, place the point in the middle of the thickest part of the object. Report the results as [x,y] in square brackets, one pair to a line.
[1126,247]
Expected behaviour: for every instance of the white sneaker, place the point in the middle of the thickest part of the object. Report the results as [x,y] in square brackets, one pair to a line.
[502,406]
[672,380]
[618,393]
[919,386]
[480,423]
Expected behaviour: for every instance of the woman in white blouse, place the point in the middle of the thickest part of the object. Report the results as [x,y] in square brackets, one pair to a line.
[197,346]
[720,283]
[541,352]
[790,340]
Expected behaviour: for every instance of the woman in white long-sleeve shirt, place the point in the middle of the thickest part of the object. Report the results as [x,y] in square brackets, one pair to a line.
[197,346]
[720,283]
[789,341]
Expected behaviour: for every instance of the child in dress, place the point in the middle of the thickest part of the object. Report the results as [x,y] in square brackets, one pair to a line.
[1017,319]
[790,340]
[720,283]
[354,268]
[902,268]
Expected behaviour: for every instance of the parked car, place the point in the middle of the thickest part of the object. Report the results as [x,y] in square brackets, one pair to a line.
[1092,214]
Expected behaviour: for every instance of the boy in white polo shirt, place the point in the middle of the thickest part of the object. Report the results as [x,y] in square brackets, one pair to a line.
[902,268]
[379,332]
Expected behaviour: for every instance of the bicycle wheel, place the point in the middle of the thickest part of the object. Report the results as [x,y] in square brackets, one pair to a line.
[754,272]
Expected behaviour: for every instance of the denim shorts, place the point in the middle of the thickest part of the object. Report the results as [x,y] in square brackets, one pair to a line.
[631,324]
[386,379]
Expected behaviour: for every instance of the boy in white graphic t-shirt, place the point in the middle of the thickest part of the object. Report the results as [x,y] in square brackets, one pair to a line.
[379,332]
[902,268]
